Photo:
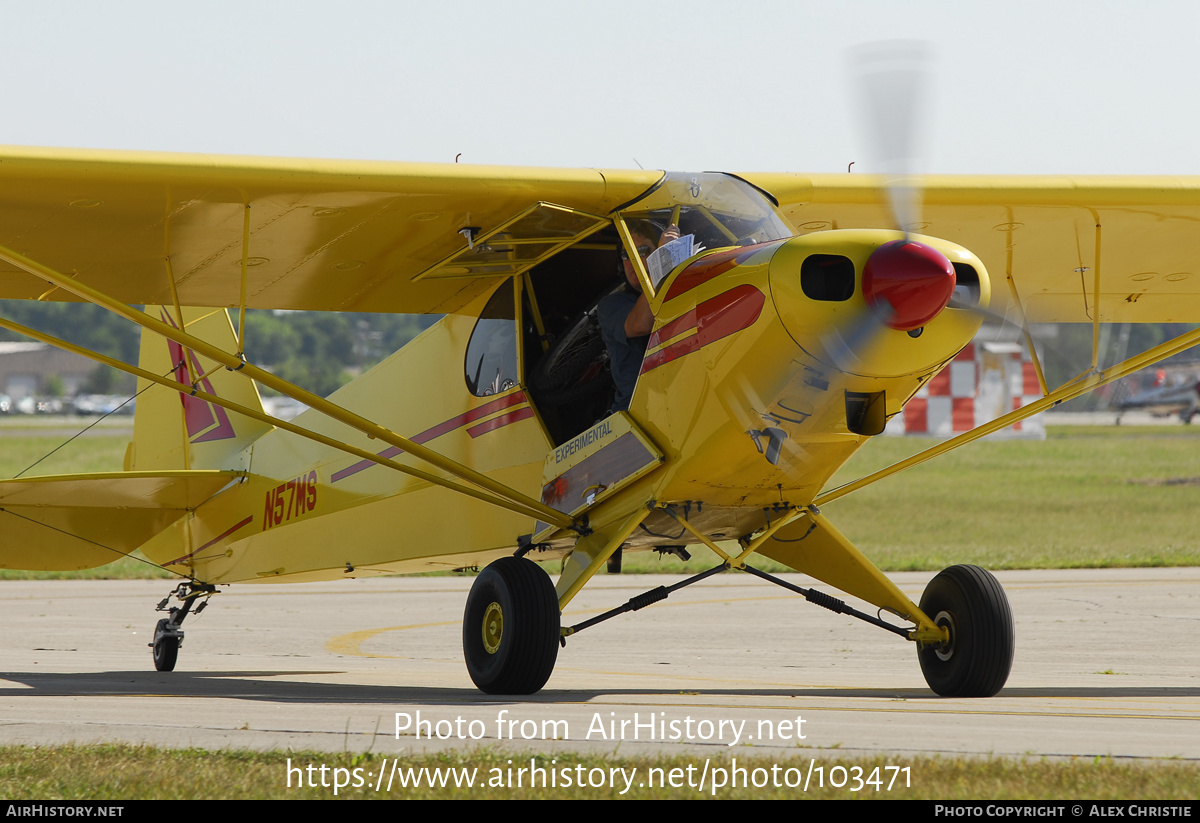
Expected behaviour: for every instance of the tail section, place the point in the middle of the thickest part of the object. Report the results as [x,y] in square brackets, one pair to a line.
[80,521]
[173,430]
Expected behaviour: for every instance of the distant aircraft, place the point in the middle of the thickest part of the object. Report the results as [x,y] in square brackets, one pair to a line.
[1180,397]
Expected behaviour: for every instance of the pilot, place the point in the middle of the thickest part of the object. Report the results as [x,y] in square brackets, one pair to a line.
[625,317]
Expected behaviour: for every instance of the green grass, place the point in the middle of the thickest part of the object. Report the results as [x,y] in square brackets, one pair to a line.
[1085,497]
[119,772]
[103,451]
[133,567]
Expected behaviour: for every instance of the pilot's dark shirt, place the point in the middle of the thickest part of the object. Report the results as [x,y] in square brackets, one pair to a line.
[624,353]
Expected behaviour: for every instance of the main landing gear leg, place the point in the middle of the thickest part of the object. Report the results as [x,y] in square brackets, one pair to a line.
[963,627]
[168,636]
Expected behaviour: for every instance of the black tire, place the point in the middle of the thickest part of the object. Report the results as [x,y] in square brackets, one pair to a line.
[166,648]
[511,628]
[978,657]
[614,562]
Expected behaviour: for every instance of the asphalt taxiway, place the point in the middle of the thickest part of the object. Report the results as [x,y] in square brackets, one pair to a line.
[1107,664]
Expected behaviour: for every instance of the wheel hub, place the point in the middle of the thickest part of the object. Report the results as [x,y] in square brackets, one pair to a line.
[493,627]
[945,651]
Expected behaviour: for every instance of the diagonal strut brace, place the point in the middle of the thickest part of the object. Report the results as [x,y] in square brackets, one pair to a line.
[660,593]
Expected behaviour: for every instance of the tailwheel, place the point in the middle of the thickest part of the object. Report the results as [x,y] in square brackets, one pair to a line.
[165,646]
[511,628]
[168,634]
[976,659]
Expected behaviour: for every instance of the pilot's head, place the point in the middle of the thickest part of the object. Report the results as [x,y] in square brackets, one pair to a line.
[641,231]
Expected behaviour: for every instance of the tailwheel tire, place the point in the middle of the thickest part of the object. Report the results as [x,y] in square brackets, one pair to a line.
[166,648]
[511,628]
[975,661]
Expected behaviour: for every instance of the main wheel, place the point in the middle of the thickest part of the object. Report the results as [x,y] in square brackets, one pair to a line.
[166,648]
[511,628]
[975,661]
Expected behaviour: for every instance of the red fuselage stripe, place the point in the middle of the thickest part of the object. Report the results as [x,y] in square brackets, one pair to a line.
[450,425]
[719,317]
[249,519]
[500,422]
[706,268]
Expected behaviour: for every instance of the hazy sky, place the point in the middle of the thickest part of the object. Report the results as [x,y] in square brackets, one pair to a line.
[1049,86]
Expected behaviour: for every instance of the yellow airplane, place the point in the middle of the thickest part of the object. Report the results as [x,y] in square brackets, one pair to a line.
[780,347]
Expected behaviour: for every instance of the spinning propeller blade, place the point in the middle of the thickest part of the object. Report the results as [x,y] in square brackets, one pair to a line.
[905,283]
[891,78]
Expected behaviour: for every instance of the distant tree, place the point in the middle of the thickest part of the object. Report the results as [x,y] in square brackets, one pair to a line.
[318,351]
[102,380]
[52,386]
[84,325]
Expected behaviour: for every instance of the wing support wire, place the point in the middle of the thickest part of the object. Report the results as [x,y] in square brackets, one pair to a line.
[498,493]
[1089,380]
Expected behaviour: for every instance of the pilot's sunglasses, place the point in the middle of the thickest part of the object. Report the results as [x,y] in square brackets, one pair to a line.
[643,251]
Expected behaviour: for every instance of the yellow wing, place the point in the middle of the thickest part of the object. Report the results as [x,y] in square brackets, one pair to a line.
[1052,234]
[320,234]
[385,237]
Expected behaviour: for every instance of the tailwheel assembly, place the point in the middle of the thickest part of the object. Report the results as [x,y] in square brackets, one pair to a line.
[168,634]
[511,627]
[977,656]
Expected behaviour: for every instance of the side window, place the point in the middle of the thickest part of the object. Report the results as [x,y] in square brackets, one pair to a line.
[491,365]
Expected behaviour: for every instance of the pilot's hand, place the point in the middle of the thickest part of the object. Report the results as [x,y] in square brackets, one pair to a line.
[672,233]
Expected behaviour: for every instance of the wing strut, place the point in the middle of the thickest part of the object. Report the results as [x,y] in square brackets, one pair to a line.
[1096,296]
[266,418]
[525,503]
[241,339]
[1016,298]
[1091,379]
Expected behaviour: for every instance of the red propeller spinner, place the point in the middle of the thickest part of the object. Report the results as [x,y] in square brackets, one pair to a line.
[908,283]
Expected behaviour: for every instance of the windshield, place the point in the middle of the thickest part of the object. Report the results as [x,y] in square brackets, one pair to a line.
[719,209]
